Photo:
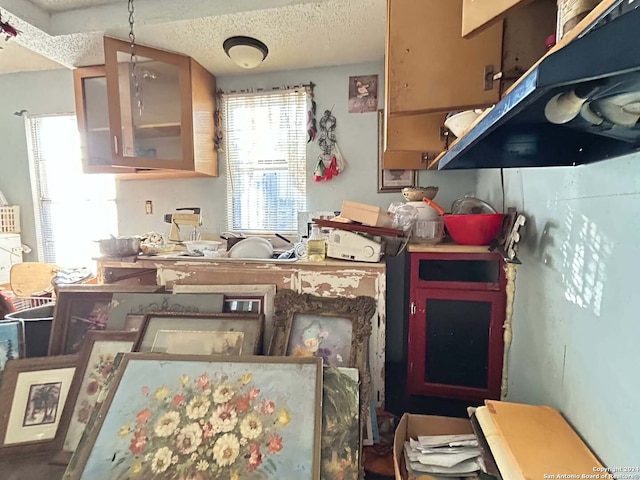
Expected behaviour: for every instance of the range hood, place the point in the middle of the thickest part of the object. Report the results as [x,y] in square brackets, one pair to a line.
[599,75]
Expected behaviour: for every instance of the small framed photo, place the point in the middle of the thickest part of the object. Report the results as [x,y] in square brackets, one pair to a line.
[11,342]
[225,334]
[96,364]
[391,180]
[33,392]
[363,94]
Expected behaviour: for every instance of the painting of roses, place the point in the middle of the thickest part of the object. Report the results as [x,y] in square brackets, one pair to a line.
[200,418]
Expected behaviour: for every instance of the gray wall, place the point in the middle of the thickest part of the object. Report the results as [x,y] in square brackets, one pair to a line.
[357,136]
[38,93]
[575,322]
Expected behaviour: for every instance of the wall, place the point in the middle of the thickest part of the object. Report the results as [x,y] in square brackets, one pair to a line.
[357,137]
[39,93]
[575,323]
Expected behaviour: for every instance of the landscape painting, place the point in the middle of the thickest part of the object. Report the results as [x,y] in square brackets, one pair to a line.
[198,343]
[321,336]
[340,424]
[42,404]
[10,334]
[197,417]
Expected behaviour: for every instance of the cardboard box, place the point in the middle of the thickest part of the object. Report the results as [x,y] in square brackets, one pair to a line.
[366,214]
[411,426]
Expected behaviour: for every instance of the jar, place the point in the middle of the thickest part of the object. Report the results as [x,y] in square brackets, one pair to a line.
[570,13]
[429,225]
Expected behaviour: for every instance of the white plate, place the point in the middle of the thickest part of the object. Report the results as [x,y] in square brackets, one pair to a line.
[252,247]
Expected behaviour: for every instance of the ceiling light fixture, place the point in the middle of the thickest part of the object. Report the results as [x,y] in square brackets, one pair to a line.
[246,52]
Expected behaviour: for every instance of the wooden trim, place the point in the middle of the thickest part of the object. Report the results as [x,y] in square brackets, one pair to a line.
[203,105]
[12,371]
[93,337]
[75,472]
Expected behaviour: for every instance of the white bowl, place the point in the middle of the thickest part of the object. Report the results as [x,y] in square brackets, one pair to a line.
[199,247]
[460,122]
[252,247]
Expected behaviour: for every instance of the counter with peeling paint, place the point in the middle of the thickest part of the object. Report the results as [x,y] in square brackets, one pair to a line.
[331,278]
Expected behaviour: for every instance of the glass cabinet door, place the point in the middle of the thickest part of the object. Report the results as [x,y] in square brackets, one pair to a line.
[149,106]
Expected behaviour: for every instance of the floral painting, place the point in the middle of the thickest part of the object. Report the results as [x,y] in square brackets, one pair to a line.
[99,366]
[320,336]
[340,424]
[42,404]
[200,420]
[198,343]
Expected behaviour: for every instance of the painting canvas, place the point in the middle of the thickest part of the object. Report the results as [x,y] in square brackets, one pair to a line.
[204,418]
[84,315]
[127,309]
[198,343]
[320,336]
[89,385]
[363,94]
[340,424]
[33,393]
[201,334]
[10,342]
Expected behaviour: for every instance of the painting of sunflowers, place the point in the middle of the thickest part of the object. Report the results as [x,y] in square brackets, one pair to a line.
[200,418]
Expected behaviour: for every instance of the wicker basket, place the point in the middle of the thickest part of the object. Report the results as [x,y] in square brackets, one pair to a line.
[10,219]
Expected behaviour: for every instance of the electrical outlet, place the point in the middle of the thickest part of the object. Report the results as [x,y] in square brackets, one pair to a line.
[148,207]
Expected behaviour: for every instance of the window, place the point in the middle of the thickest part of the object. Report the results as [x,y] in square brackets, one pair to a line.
[72,209]
[266,160]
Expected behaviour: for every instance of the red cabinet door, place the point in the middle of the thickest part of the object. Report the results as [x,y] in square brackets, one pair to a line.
[455,344]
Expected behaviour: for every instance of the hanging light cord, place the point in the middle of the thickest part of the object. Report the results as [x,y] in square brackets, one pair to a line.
[134,57]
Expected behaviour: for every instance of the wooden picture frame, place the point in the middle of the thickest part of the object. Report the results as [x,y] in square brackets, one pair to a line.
[359,310]
[74,303]
[137,401]
[387,181]
[32,387]
[230,334]
[266,291]
[95,365]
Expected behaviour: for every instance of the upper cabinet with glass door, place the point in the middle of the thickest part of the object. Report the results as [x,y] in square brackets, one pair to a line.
[161,110]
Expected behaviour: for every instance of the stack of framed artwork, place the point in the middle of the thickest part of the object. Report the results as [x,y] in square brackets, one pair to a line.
[207,383]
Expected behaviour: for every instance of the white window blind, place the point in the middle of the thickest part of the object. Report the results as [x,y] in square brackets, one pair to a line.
[265,138]
[72,209]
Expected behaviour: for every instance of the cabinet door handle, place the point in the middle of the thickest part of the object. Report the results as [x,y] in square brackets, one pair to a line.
[413,308]
[115,144]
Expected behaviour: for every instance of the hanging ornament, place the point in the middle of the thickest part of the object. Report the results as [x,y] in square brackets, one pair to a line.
[311,115]
[8,30]
[318,173]
[330,162]
[134,58]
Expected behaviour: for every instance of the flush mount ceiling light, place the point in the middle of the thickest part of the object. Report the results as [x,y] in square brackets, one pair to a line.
[246,52]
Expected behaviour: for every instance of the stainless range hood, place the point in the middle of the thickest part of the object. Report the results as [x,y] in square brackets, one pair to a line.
[599,75]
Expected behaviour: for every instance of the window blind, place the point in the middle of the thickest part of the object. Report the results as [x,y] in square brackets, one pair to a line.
[266,160]
[72,209]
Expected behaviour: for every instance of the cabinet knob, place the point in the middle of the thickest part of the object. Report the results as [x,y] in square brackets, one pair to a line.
[413,308]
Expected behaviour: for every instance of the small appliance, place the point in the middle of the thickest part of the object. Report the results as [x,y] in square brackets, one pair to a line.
[346,245]
[184,224]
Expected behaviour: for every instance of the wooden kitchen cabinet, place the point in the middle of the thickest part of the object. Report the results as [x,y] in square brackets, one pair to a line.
[174,130]
[455,336]
[478,14]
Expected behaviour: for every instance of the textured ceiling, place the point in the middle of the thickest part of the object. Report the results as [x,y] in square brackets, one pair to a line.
[299,33]
[62,5]
[14,58]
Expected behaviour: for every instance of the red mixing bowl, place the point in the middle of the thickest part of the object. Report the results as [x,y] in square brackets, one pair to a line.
[477,229]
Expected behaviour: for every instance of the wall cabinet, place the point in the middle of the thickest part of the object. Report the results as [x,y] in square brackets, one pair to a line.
[478,14]
[431,70]
[455,336]
[156,120]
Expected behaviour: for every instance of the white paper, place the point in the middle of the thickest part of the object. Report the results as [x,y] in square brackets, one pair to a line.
[446,459]
[463,468]
[444,440]
[415,445]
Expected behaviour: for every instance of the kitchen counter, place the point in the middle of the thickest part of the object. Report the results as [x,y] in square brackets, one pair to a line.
[446,248]
[330,278]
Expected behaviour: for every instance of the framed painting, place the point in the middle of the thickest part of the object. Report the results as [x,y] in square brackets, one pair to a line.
[201,333]
[340,453]
[95,365]
[266,292]
[11,342]
[205,418]
[79,309]
[32,394]
[363,94]
[128,309]
[391,180]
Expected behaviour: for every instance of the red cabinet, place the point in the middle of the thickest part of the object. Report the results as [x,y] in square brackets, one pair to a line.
[455,337]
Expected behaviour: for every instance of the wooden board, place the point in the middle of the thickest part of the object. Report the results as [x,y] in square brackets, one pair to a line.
[480,14]
[358,227]
[534,441]
[32,277]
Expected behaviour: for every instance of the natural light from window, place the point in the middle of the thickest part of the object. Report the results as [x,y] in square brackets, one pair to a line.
[72,209]
[266,160]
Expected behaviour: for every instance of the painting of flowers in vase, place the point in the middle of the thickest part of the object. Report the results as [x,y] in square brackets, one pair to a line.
[201,418]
